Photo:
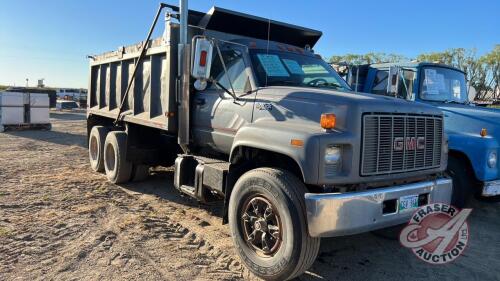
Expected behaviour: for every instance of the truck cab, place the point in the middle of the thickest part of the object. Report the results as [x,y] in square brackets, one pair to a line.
[473,132]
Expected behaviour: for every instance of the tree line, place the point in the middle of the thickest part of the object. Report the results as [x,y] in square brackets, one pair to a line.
[482,72]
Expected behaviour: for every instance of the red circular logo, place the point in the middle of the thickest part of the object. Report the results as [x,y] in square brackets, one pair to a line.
[437,233]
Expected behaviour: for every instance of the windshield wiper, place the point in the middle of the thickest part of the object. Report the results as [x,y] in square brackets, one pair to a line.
[284,83]
[327,85]
[457,102]
[453,101]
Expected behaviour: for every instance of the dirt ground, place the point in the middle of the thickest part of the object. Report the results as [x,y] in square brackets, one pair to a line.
[61,221]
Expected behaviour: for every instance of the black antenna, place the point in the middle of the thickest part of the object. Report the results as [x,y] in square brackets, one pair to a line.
[268,39]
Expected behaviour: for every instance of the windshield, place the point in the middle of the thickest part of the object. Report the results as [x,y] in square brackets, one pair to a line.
[443,84]
[277,68]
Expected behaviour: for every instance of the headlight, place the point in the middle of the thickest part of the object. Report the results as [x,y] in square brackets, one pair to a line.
[492,159]
[332,155]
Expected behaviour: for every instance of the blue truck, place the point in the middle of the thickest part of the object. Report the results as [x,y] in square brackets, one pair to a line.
[473,132]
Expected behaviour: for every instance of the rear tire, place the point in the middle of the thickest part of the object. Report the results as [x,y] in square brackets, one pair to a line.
[463,186]
[97,138]
[139,172]
[118,168]
[288,249]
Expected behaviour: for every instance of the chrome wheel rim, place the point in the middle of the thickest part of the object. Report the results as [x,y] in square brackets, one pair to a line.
[261,225]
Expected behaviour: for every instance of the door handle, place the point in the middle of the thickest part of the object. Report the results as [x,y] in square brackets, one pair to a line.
[199,101]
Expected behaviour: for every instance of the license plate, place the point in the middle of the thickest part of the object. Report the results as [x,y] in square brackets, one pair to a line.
[408,202]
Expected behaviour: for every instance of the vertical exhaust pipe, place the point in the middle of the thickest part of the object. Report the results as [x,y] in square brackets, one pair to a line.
[184,59]
[183,8]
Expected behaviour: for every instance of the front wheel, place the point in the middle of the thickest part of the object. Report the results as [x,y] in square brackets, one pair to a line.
[463,186]
[267,217]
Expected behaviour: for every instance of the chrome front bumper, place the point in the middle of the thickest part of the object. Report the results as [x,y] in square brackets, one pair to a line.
[338,214]
[491,188]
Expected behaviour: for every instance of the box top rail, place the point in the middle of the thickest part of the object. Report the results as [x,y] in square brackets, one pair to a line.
[227,21]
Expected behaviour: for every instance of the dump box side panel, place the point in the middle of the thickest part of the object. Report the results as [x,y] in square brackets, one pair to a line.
[151,99]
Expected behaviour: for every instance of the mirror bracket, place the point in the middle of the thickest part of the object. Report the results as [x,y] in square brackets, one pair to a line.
[393,81]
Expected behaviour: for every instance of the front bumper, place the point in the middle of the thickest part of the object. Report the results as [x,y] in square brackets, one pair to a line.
[338,214]
[491,188]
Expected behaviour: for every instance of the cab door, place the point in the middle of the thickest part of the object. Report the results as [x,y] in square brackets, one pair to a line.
[217,116]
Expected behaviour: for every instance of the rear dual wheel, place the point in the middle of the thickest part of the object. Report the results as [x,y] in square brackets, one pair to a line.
[139,172]
[118,168]
[97,138]
[107,152]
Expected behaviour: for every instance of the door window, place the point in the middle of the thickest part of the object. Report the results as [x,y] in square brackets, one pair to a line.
[380,83]
[405,83]
[236,71]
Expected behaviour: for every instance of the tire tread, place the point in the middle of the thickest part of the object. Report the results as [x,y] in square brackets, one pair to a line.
[294,189]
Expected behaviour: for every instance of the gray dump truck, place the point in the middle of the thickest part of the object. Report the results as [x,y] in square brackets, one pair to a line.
[249,115]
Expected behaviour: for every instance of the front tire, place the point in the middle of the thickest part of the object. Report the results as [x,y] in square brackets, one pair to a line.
[118,168]
[463,186]
[267,217]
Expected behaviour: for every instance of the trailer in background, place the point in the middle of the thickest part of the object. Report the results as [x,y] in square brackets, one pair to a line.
[24,110]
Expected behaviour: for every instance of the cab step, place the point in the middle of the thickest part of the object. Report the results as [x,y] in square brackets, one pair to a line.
[200,177]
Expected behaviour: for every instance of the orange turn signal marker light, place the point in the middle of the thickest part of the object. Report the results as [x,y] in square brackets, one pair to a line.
[328,120]
[484,132]
[295,142]
[203,58]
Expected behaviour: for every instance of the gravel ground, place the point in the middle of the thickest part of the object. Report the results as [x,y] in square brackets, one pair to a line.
[61,221]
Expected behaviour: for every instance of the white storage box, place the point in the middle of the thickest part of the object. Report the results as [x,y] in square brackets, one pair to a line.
[24,110]
[11,108]
[39,109]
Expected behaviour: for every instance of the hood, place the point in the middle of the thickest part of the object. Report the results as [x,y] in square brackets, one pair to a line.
[307,104]
[366,102]
[461,118]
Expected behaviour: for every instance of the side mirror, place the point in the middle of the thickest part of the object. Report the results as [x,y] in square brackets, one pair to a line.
[202,58]
[393,81]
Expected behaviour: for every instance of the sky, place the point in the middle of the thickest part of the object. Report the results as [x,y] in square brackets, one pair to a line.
[50,39]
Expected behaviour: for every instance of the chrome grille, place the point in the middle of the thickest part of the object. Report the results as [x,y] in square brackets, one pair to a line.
[400,143]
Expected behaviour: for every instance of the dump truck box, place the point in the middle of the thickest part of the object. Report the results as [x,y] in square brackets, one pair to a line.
[152,98]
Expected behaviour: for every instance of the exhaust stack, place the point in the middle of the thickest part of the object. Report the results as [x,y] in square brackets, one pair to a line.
[184,58]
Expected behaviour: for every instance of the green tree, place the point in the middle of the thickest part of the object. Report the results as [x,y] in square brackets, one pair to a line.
[367,58]
[491,62]
[483,73]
